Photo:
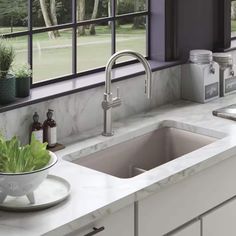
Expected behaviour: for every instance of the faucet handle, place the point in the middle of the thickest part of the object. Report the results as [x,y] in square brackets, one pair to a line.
[117,100]
[118,92]
[145,86]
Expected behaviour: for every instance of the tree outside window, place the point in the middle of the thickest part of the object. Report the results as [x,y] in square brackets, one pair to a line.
[96,30]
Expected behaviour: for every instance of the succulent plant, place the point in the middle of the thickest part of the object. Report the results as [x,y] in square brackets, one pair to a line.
[22,71]
[7,56]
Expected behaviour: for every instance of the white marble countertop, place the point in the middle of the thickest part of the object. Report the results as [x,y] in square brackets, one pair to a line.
[96,194]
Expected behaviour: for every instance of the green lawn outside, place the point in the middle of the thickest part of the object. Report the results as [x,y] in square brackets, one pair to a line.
[233,25]
[53,58]
[7,30]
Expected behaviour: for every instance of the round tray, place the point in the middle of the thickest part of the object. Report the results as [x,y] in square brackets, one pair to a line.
[51,192]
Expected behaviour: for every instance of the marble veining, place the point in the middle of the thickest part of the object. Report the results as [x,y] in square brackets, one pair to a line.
[95,194]
[82,111]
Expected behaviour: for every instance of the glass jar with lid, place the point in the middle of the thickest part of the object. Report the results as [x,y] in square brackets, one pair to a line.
[227,73]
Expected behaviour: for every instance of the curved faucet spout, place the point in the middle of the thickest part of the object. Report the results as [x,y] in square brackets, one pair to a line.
[109,101]
[142,60]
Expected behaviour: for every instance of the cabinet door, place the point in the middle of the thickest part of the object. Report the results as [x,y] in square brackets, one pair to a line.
[176,204]
[220,221]
[116,224]
[193,229]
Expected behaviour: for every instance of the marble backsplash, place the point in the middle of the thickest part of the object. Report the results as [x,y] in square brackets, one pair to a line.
[82,111]
[233,53]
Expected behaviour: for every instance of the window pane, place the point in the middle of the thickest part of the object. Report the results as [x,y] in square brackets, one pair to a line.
[52,57]
[93,49]
[131,6]
[131,34]
[52,51]
[92,9]
[233,18]
[20,45]
[13,16]
[51,12]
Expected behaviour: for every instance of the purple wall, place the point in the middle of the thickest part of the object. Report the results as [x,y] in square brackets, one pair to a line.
[178,26]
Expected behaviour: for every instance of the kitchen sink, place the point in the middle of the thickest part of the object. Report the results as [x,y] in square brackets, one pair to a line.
[145,152]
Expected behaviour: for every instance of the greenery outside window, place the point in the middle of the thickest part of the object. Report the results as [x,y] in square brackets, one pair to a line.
[62,39]
[233,19]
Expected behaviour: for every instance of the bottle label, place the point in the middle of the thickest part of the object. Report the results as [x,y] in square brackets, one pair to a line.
[52,136]
[38,135]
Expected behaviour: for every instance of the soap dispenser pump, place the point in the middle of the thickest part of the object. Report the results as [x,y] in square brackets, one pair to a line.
[37,128]
[50,130]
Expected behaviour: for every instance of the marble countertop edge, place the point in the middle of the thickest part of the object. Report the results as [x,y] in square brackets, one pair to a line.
[87,204]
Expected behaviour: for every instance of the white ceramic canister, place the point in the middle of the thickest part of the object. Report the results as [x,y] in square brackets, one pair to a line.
[200,77]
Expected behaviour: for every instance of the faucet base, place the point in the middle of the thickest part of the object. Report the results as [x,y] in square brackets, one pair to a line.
[107,134]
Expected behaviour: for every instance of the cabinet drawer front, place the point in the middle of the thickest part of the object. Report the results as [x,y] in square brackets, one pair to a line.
[182,202]
[221,221]
[116,224]
[193,229]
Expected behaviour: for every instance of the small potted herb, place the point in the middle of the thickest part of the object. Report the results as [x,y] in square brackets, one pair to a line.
[7,80]
[23,75]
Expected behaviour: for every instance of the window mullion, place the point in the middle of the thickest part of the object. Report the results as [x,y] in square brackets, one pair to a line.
[74,37]
[113,26]
[148,27]
[30,36]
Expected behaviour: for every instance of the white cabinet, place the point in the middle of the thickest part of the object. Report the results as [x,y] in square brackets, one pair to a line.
[193,229]
[120,223]
[175,205]
[221,221]
[163,212]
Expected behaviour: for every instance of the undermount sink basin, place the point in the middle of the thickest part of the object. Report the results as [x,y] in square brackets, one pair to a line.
[145,152]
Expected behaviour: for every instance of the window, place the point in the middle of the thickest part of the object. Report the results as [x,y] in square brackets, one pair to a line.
[233,19]
[62,39]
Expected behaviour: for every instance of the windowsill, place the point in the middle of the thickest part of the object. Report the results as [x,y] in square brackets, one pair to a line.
[232,47]
[67,87]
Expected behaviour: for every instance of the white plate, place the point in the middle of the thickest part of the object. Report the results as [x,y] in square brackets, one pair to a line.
[52,191]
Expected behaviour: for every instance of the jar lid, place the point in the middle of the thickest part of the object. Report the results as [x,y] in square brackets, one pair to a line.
[200,56]
[224,59]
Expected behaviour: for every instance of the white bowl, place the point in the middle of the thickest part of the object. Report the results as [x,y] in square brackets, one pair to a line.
[20,184]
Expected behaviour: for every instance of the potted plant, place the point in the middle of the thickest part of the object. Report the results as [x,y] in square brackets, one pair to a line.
[23,75]
[7,80]
[23,168]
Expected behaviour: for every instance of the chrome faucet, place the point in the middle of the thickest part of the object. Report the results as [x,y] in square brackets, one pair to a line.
[109,102]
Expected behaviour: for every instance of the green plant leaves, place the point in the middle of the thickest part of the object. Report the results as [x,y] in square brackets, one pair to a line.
[22,71]
[39,153]
[17,159]
[7,55]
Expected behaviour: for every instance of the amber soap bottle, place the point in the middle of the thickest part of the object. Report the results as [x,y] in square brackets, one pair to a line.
[37,128]
[50,130]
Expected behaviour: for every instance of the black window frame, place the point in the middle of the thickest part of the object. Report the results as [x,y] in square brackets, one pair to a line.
[74,25]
